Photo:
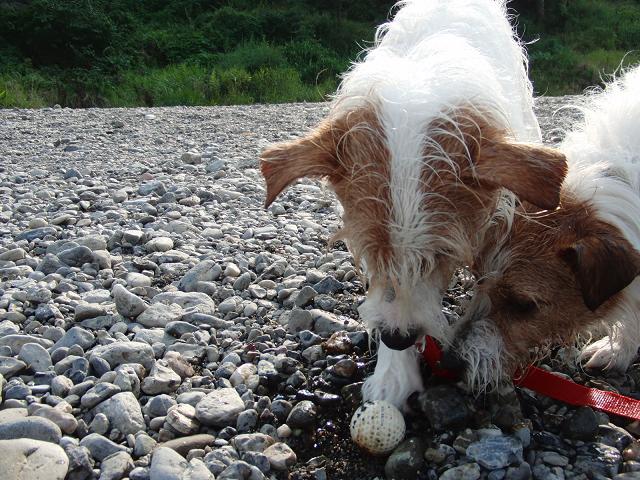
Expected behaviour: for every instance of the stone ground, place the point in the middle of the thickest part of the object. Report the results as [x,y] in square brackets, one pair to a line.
[156,322]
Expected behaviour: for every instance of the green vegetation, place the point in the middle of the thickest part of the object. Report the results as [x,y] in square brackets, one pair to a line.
[207,52]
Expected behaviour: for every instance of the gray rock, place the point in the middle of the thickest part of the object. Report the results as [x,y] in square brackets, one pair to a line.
[598,458]
[15,342]
[205,271]
[468,471]
[75,336]
[27,459]
[36,357]
[496,452]
[98,394]
[280,456]
[159,315]
[10,366]
[582,425]
[303,415]
[521,472]
[36,428]
[143,445]
[100,447]
[167,464]
[240,470]
[181,418]
[76,256]
[187,300]
[127,303]
[299,320]
[116,466]
[66,421]
[159,244]
[220,408]
[123,412]
[159,405]
[328,285]
[125,352]
[252,442]
[445,407]
[183,445]
[407,460]
[161,379]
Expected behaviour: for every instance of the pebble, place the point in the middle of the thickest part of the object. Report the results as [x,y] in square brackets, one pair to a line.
[407,460]
[496,452]
[100,447]
[149,303]
[303,415]
[280,456]
[127,303]
[167,464]
[27,459]
[220,408]
[36,428]
[123,412]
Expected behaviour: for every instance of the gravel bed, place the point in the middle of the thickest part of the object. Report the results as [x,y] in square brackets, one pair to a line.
[156,322]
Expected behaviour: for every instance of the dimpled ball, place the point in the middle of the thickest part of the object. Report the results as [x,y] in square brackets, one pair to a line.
[377,427]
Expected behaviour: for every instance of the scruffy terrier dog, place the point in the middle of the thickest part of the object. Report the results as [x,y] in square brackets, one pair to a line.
[548,277]
[424,138]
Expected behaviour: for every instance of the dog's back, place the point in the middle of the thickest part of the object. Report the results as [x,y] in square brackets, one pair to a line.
[439,53]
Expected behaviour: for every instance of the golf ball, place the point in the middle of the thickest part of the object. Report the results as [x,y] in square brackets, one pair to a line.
[378,427]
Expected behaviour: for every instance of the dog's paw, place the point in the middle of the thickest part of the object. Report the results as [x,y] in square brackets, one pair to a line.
[607,354]
[397,375]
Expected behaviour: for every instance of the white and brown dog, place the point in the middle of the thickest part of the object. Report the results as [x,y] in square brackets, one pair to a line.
[546,277]
[422,139]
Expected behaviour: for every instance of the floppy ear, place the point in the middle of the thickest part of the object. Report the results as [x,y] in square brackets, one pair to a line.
[603,265]
[311,156]
[533,172]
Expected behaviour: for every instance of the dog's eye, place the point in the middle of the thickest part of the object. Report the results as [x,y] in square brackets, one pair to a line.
[522,305]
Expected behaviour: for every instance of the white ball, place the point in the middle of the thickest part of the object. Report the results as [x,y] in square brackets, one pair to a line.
[377,427]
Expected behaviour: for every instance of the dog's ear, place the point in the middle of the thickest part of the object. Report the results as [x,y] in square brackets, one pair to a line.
[312,156]
[603,265]
[533,172]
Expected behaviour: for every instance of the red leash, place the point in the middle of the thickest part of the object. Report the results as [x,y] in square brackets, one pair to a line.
[550,385]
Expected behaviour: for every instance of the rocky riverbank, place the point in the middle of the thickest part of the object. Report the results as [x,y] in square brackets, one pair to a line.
[156,322]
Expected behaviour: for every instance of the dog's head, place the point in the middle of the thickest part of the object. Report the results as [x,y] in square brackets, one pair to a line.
[415,197]
[546,280]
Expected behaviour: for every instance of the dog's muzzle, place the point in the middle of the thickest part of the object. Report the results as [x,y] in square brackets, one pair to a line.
[399,341]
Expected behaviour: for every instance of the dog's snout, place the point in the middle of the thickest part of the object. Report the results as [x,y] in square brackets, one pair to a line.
[452,361]
[397,340]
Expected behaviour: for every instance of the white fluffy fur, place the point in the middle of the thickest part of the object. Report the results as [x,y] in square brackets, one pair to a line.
[434,57]
[604,169]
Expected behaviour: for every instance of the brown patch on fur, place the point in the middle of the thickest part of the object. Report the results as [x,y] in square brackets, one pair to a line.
[534,173]
[561,275]
[604,263]
[485,155]
[351,153]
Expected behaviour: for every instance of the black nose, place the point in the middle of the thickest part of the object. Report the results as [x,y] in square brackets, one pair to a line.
[452,361]
[398,341]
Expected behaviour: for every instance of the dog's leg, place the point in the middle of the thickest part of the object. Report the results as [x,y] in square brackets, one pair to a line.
[619,349]
[397,375]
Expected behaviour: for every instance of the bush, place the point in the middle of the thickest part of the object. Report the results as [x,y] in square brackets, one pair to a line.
[252,56]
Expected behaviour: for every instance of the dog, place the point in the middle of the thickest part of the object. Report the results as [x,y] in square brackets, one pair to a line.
[428,135]
[572,272]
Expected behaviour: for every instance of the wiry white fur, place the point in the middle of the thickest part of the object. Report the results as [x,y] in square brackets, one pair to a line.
[435,57]
[603,157]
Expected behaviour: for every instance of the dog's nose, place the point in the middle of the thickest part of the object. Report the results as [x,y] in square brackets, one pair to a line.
[396,340]
[451,361]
